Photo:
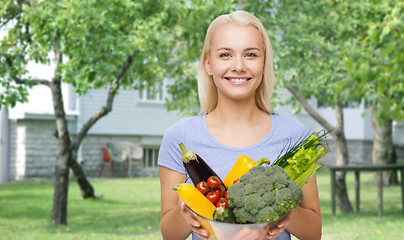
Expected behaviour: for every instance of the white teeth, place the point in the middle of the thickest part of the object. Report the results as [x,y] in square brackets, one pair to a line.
[238,80]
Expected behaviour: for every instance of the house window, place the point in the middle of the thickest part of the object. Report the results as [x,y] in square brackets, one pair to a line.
[351,104]
[152,95]
[150,156]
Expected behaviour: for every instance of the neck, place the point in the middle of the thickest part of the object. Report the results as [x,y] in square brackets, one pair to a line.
[235,112]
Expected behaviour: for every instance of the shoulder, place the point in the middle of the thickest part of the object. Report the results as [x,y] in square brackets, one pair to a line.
[181,127]
[288,127]
[170,153]
[183,130]
[287,121]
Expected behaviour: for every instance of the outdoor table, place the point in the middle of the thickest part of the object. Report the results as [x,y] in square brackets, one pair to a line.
[359,168]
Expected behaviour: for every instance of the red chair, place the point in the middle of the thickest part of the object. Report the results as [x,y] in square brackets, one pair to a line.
[106,158]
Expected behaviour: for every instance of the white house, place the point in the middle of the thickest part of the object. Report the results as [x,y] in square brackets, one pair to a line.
[135,118]
[28,148]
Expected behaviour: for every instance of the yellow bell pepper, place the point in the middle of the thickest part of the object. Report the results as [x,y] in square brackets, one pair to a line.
[241,167]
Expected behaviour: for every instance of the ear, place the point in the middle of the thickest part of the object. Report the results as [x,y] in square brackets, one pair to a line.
[207,66]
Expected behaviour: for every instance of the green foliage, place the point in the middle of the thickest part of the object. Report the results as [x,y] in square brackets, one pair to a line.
[335,51]
[376,64]
[96,37]
[338,51]
[309,39]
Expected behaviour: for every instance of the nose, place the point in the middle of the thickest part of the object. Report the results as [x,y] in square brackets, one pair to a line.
[238,65]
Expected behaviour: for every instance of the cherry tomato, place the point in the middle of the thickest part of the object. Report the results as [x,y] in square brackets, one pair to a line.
[203,187]
[213,196]
[237,180]
[225,194]
[214,182]
[222,202]
[221,190]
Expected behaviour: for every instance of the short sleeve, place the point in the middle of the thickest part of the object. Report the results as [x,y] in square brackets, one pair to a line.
[170,153]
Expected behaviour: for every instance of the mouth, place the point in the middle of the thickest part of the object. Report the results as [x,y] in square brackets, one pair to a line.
[237,80]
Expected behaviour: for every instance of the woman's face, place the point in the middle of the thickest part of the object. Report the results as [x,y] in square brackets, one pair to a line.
[236,61]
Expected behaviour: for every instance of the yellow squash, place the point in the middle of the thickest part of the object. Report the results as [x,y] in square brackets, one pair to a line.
[195,200]
[241,167]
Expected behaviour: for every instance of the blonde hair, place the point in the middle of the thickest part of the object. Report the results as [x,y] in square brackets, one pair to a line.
[207,89]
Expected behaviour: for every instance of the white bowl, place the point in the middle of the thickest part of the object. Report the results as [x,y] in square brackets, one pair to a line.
[225,231]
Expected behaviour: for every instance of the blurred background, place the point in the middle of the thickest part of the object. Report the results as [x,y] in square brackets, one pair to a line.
[88,88]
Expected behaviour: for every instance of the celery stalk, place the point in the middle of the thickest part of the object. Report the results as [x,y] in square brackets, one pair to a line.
[300,161]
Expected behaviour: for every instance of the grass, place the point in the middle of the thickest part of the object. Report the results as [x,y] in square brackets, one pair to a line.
[366,224]
[130,209]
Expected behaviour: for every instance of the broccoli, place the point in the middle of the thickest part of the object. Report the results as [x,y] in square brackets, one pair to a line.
[224,214]
[263,194]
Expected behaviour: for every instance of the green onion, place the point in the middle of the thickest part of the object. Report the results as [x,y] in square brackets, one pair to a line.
[300,161]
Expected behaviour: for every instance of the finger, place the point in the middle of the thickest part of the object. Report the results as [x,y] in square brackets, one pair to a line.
[273,233]
[201,233]
[193,222]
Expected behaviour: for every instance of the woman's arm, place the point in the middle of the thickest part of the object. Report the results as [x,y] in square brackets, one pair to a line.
[177,222]
[172,223]
[305,222]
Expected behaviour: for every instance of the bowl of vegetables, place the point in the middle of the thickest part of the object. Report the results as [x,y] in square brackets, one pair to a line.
[252,198]
[254,204]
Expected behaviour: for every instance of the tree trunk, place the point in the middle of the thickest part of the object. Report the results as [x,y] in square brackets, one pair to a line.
[342,160]
[87,190]
[340,144]
[383,151]
[61,187]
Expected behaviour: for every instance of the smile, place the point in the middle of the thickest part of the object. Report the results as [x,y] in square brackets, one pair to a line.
[237,81]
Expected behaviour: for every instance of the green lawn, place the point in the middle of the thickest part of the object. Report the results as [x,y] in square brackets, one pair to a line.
[130,209]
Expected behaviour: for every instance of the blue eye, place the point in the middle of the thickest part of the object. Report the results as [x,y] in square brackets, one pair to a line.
[225,55]
[251,55]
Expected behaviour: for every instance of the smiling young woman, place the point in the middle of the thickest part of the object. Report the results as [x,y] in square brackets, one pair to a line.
[236,67]
[235,85]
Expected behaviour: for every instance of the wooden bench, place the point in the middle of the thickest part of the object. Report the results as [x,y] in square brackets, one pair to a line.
[360,168]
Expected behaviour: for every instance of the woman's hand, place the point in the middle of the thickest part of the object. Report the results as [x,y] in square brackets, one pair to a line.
[193,222]
[279,227]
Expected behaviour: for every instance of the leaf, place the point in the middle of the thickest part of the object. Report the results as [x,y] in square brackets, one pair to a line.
[385,31]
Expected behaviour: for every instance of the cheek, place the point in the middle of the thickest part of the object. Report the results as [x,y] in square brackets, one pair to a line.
[258,69]
[218,69]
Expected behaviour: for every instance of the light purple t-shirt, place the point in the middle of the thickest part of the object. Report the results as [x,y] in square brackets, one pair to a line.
[194,134]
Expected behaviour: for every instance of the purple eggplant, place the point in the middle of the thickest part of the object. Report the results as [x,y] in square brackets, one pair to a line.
[197,169]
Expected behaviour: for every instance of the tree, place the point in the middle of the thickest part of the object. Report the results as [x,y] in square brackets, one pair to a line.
[313,40]
[377,68]
[309,39]
[93,44]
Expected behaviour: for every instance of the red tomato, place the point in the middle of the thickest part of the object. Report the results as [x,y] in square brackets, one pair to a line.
[222,202]
[203,187]
[214,182]
[213,196]
[225,194]
[221,190]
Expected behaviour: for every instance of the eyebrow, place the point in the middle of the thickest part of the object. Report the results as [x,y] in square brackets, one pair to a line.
[229,49]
